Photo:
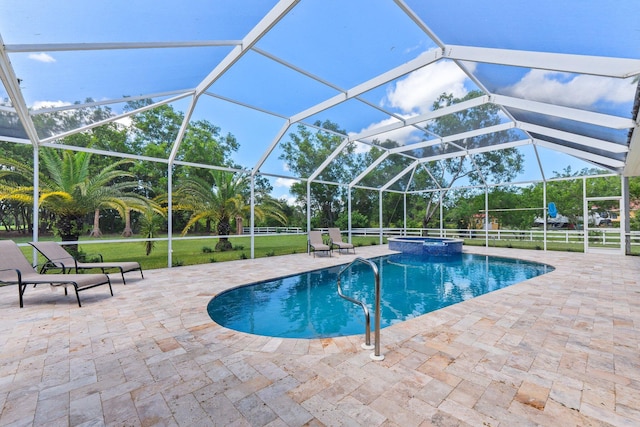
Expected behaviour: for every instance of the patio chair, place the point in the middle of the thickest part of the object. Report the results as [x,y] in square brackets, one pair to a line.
[316,243]
[58,258]
[336,240]
[15,269]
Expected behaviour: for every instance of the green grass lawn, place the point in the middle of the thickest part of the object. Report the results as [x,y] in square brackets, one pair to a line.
[199,251]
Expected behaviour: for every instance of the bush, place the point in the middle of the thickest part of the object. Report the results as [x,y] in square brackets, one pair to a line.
[242,256]
[238,247]
[357,220]
[206,250]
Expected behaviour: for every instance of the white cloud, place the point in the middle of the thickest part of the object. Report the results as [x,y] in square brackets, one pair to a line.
[360,148]
[417,92]
[579,91]
[41,57]
[284,182]
[125,121]
[37,105]
[403,135]
[290,200]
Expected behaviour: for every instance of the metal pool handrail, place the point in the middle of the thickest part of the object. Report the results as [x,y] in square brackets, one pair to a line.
[367,345]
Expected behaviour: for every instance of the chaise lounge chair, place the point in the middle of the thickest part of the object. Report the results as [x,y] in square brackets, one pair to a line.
[15,269]
[315,242]
[336,240]
[58,258]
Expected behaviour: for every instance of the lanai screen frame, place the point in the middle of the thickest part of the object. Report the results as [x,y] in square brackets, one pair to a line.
[622,159]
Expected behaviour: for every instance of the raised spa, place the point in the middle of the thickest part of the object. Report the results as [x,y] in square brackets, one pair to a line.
[426,245]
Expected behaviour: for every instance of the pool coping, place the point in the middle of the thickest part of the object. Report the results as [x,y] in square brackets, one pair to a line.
[560,348]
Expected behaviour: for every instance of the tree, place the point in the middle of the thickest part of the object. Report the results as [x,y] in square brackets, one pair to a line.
[70,190]
[153,133]
[150,223]
[463,207]
[365,200]
[304,153]
[493,166]
[221,199]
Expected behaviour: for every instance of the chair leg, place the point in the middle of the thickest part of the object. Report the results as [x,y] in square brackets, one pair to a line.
[21,289]
[77,293]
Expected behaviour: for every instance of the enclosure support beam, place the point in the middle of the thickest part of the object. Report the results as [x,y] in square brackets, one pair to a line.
[349,225]
[544,214]
[380,214]
[404,195]
[585,216]
[253,216]
[169,215]
[486,216]
[625,226]
[308,210]
[441,215]
[36,199]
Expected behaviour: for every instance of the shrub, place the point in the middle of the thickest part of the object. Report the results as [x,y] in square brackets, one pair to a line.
[206,250]
[238,247]
[243,256]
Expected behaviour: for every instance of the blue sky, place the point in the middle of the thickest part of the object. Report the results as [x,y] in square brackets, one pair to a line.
[341,42]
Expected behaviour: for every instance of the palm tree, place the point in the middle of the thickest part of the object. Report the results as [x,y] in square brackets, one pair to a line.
[71,189]
[221,201]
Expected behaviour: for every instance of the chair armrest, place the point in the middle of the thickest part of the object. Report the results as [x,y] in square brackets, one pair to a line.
[49,265]
[18,274]
[53,263]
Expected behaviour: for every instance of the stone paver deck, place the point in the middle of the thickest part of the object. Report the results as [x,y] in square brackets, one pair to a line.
[558,350]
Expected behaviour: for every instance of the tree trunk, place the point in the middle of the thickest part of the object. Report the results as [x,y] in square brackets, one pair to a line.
[128,232]
[224,229]
[95,232]
[28,219]
[69,228]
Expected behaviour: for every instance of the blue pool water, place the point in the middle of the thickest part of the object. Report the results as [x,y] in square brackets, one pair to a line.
[308,306]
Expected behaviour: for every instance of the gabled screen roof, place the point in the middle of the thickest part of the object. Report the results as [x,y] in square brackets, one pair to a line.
[563,75]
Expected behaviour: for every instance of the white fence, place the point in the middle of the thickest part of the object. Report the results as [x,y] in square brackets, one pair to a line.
[597,237]
[274,230]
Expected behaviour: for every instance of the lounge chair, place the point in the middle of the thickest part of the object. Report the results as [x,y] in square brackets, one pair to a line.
[58,258]
[336,240]
[316,243]
[15,269]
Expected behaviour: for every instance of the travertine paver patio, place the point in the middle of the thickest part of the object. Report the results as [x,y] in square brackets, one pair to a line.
[558,350]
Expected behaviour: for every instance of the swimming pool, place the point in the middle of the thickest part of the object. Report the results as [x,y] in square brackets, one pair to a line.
[308,306]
